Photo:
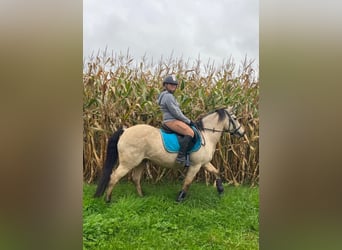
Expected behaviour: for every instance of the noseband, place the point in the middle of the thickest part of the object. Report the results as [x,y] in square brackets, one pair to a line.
[231,120]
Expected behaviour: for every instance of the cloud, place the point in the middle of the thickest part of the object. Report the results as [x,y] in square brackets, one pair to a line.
[214,29]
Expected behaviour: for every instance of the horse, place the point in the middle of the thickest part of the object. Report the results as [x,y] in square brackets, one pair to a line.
[128,148]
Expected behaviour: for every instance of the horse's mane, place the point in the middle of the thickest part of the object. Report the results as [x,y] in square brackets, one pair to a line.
[221,113]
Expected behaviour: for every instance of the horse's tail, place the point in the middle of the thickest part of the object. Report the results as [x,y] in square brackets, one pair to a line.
[111,158]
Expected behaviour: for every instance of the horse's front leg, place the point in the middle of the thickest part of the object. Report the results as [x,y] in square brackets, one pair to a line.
[210,168]
[190,175]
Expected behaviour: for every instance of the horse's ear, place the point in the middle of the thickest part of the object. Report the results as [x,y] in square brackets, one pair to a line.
[230,109]
[234,109]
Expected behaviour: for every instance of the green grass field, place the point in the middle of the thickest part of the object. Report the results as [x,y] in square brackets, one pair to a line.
[204,220]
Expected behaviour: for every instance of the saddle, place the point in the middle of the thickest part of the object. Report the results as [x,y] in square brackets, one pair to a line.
[171,140]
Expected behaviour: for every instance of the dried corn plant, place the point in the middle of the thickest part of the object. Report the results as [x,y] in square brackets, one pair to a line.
[119,91]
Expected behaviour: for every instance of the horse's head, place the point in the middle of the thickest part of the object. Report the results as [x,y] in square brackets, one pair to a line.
[233,126]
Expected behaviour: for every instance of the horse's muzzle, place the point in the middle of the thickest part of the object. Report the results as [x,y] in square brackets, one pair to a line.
[239,132]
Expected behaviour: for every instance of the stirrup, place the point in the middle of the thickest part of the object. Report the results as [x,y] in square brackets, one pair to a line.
[181,157]
[184,160]
[181,160]
[187,161]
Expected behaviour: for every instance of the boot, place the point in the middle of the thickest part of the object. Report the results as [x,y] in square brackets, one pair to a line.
[183,149]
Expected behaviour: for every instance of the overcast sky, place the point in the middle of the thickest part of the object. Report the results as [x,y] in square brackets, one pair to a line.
[215,29]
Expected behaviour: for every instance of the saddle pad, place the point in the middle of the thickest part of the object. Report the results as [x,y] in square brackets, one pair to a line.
[171,144]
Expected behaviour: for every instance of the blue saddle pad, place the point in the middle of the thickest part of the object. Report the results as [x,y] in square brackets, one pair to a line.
[171,144]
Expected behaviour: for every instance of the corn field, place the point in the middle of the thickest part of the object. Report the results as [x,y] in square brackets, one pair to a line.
[120,91]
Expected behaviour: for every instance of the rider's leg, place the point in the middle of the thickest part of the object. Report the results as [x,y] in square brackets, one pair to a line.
[182,128]
[184,147]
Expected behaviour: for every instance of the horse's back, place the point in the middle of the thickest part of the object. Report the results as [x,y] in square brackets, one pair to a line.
[140,130]
[139,134]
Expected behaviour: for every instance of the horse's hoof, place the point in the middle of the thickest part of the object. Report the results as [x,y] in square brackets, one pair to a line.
[219,186]
[108,199]
[181,196]
[220,191]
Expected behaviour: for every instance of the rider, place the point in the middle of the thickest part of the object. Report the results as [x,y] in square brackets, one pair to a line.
[173,117]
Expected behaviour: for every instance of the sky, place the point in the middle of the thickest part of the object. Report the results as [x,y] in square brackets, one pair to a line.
[215,30]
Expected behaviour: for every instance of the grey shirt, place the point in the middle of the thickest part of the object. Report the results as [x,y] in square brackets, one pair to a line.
[170,108]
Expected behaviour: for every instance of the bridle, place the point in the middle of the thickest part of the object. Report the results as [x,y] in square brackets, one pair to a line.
[231,120]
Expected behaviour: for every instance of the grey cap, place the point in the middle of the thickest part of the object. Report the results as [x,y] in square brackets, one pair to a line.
[171,80]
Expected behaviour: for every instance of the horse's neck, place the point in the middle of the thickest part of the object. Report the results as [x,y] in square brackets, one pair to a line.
[210,123]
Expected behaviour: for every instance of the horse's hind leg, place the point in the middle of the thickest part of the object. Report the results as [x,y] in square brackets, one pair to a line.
[136,176]
[120,172]
[210,168]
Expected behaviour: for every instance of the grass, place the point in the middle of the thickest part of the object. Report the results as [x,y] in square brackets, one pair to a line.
[204,220]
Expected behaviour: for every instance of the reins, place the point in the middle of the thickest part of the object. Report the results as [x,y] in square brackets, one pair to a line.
[215,130]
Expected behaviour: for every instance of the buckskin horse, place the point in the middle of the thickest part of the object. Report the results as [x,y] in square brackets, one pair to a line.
[133,145]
